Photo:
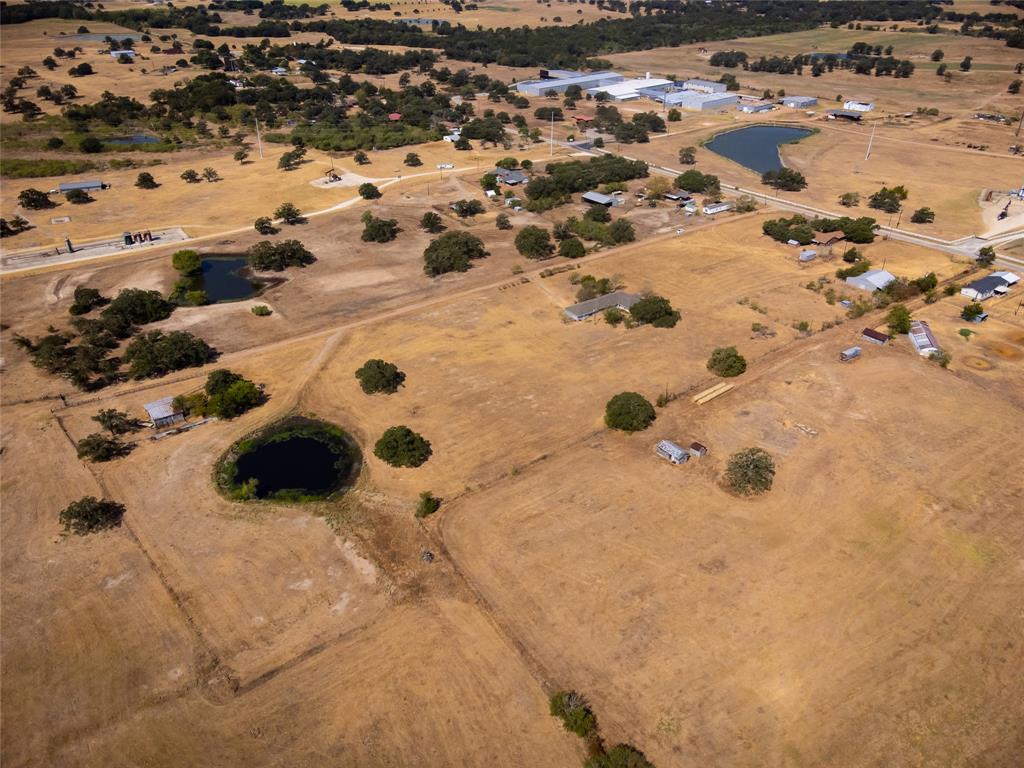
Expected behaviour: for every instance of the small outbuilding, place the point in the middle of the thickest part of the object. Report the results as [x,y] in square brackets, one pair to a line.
[162,412]
[922,339]
[849,354]
[668,450]
[858,105]
[713,208]
[875,337]
[844,114]
[808,255]
[697,450]
[755,106]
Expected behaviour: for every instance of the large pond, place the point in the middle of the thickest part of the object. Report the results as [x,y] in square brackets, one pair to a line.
[756,147]
[225,278]
[297,460]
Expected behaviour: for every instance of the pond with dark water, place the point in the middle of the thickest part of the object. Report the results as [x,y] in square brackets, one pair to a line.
[302,464]
[137,138]
[225,278]
[756,147]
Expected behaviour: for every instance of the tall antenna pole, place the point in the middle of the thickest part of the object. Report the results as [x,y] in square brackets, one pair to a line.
[871,140]
[1019,123]
[551,148]
[259,141]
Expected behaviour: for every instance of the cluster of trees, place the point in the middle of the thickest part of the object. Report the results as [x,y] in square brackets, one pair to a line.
[577,717]
[452,252]
[800,229]
[266,256]
[695,181]
[376,230]
[591,287]
[225,395]
[594,226]
[563,179]
[90,515]
[888,199]
[85,357]
[786,179]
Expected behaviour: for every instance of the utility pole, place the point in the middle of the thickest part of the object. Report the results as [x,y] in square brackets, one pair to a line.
[871,140]
[551,149]
[259,141]
[1019,123]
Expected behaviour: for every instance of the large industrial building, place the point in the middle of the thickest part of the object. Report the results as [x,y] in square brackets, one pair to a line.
[562,84]
[686,99]
[704,86]
[625,90]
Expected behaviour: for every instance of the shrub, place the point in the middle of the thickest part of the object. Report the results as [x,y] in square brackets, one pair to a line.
[155,353]
[89,515]
[849,199]
[413,160]
[428,504]
[368,191]
[572,248]
[502,221]
[190,176]
[572,709]
[361,158]
[145,180]
[116,422]
[401,447]
[941,357]
[534,242]
[267,256]
[727,362]
[380,376]
[262,310]
[98,447]
[452,252]
[265,226]
[923,216]
[431,222]
[614,316]
[750,471]
[77,196]
[655,310]
[90,145]
[986,256]
[622,231]
[186,262]
[898,319]
[629,412]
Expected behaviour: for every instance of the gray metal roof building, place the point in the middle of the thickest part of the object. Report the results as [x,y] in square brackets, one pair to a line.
[562,84]
[510,176]
[596,198]
[67,186]
[872,280]
[591,307]
[706,86]
[162,412]
[799,102]
[687,99]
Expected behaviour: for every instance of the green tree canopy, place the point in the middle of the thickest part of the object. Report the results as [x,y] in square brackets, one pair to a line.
[401,447]
[727,362]
[186,262]
[267,256]
[89,515]
[750,471]
[655,310]
[534,242]
[379,376]
[452,252]
[629,412]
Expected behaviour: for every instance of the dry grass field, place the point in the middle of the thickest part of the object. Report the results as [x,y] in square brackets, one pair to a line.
[864,612]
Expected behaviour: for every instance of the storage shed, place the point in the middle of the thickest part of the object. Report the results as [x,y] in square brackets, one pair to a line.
[799,102]
[849,354]
[875,337]
[705,86]
[596,198]
[922,339]
[872,280]
[697,450]
[162,412]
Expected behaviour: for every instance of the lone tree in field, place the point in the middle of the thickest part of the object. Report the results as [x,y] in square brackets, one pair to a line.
[146,181]
[34,200]
[452,252]
[368,191]
[401,447]
[116,422]
[97,447]
[629,412]
[986,256]
[191,176]
[534,242]
[727,362]
[502,221]
[750,471]
[576,716]
[898,319]
[265,226]
[230,394]
[923,216]
[380,376]
[361,158]
[412,160]
[378,230]
[89,515]
[289,214]
[428,504]
[688,155]
[431,222]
